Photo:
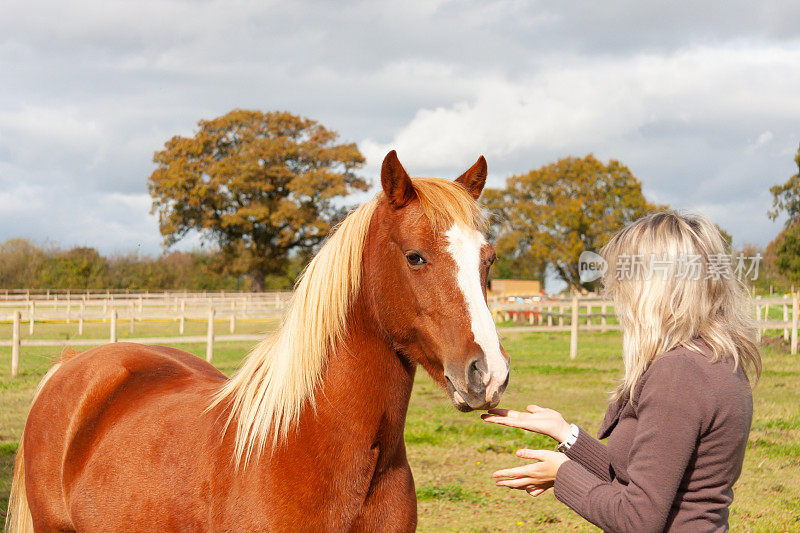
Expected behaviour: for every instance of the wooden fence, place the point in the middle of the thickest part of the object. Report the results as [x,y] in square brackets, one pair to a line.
[114,308]
[595,314]
[530,314]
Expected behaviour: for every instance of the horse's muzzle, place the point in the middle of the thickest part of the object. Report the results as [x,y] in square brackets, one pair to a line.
[478,389]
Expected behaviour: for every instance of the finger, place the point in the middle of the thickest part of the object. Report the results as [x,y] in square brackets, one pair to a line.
[537,471]
[519,471]
[538,455]
[533,408]
[519,483]
[506,421]
[535,491]
[502,420]
[505,412]
[493,418]
[524,487]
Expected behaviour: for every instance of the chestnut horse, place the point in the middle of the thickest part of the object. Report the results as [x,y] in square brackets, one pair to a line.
[308,434]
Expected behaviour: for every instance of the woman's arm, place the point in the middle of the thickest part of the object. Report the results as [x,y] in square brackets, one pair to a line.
[587,450]
[670,419]
[591,454]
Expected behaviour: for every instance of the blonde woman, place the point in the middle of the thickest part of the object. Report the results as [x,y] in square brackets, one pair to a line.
[678,422]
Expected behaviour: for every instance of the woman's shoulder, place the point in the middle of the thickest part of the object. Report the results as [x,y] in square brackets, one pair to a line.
[695,372]
[696,356]
[680,367]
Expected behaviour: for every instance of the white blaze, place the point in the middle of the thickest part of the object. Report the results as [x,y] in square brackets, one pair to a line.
[465,244]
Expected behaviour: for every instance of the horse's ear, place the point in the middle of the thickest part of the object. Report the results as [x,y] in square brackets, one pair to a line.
[395,181]
[475,178]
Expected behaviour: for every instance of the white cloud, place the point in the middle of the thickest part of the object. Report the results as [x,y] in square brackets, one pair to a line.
[763,139]
[684,121]
[61,130]
[594,103]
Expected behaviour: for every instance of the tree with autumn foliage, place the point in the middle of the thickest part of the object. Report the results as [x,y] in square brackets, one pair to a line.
[550,215]
[786,246]
[260,186]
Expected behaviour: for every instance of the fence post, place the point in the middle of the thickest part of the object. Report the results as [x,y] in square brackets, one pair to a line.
[31,318]
[183,317]
[603,320]
[210,336]
[233,322]
[133,312]
[588,313]
[69,308]
[573,337]
[560,315]
[15,345]
[80,317]
[794,323]
[549,315]
[758,319]
[140,303]
[113,327]
[785,320]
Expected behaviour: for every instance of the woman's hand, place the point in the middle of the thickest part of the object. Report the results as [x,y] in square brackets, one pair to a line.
[537,419]
[534,478]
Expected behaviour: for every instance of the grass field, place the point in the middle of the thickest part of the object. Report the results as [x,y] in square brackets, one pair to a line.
[453,454]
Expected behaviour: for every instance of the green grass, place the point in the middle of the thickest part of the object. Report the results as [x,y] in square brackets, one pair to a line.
[453,454]
[451,493]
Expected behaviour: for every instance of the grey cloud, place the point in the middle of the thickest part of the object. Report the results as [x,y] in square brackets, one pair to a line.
[117,79]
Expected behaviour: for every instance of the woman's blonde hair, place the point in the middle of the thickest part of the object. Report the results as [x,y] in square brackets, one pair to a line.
[673,282]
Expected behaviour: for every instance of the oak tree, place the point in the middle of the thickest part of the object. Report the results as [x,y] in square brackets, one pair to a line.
[782,256]
[259,185]
[550,215]
[786,246]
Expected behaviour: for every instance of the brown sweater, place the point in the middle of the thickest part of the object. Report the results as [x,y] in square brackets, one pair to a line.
[674,450]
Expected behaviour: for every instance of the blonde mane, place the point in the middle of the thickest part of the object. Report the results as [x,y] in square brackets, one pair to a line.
[267,394]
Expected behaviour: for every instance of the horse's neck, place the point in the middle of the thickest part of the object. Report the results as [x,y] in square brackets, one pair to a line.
[366,381]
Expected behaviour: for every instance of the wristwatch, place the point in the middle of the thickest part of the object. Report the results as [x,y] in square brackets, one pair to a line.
[569,441]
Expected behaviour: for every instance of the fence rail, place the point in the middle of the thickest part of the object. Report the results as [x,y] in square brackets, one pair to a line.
[117,309]
[561,314]
[531,313]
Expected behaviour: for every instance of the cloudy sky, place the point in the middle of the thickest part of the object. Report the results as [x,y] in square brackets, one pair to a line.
[699,99]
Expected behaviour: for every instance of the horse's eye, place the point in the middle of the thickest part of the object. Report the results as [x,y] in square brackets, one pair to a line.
[414,259]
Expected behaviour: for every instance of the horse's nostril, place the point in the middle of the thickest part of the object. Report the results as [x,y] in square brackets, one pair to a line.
[475,376]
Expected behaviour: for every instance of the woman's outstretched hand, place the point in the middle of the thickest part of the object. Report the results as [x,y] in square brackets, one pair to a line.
[537,419]
[534,478]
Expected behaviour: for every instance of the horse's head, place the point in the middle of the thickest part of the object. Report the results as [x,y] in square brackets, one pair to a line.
[428,269]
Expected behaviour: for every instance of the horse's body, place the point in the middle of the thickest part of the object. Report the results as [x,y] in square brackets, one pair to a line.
[131,435]
[145,438]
